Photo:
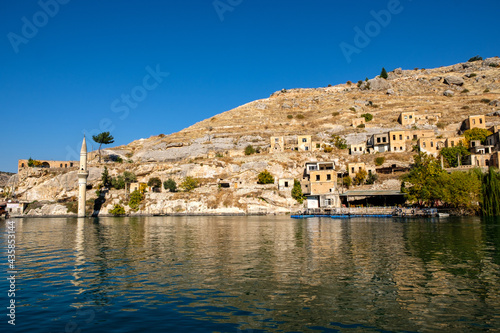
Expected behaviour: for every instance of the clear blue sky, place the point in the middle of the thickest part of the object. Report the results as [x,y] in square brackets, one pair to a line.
[68,68]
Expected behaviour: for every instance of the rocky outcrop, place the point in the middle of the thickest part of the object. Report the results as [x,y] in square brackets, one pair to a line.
[453,80]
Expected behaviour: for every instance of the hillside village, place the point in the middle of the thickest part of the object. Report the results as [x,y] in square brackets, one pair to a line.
[346,145]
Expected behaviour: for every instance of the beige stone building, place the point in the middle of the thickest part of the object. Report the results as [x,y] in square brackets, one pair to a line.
[357,149]
[358,121]
[285,184]
[406,118]
[454,141]
[319,178]
[304,143]
[277,144]
[22,164]
[397,141]
[477,121]
[430,146]
[417,134]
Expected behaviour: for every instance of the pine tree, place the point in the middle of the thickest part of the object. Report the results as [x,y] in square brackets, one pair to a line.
[383,74]
[297,191]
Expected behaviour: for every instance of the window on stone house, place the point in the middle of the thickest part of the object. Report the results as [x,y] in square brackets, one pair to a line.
[432,144]
[328,177]
[304,140]
[318,178]
[352,169]
[394,137]
[378,140]
[480,120]
[400,136]
[384,139]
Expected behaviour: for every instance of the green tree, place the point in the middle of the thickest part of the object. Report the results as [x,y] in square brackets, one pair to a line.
[170,185]
[106,179]
[249,150]
[372,178]
[135,200]
[360,177]
[462,190]
[103,138]
[424,184]
[339,142]
[297,191]
[379,160]
[347,181]
[475,58]
[118,182]
[450,155]
[383,73]
[154,182]
[265,177]
[117,210]
[491,194]
[189,183]
[368,116]
[476,134]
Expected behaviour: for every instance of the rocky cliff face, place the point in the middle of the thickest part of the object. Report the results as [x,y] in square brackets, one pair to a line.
[212,150]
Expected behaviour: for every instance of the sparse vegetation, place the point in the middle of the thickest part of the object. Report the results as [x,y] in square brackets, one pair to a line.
[465,107]
[103,138]
[339,142]
[476,134]
[300,116]
[297,191]
[368,116]
[441,125]
[485,100]
[189,183]
[135,200]
[472,75]
[486,91]
[371,179]
[360,177]
[335,114]
[117,210]
[475,58]
[379,160]
[154,182]
[352,109]
[465,91]
[289,116]
[347,181]
[383,73]
[361,126]
[265,177]
[170,185]
[493,65]
[249,150]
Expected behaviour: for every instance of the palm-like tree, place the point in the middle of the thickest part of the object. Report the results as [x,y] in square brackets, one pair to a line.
[103,138]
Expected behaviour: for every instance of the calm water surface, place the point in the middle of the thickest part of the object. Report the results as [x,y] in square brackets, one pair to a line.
[254,274]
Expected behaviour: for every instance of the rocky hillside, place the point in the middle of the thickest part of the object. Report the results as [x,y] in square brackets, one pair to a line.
[4,178]
[212,150]
[454,91]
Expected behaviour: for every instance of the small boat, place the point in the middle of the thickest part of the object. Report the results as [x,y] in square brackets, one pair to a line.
[443,215]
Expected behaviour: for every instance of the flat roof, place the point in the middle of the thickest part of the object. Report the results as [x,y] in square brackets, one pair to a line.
[362,193]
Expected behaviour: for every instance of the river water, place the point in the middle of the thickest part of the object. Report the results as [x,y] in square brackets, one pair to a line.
[253,274]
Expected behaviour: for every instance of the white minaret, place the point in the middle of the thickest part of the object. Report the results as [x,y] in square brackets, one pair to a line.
[82,180]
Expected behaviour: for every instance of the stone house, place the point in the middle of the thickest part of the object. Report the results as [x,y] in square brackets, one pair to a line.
[379,142]
[358,121]
[285,184]
[431,146]
[477,121]
[397,141]
[406,118]
[319,178]
[357,149]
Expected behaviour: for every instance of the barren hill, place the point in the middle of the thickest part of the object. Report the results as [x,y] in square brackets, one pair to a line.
[323,111]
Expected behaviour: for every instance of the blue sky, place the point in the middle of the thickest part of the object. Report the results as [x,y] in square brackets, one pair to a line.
[74,66]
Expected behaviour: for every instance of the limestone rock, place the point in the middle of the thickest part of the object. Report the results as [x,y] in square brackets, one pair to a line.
[376,84]
[495,102]
[451,79]
[448,93]
[390,92]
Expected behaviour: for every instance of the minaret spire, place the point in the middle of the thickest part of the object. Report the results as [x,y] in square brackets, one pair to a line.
[82,179]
